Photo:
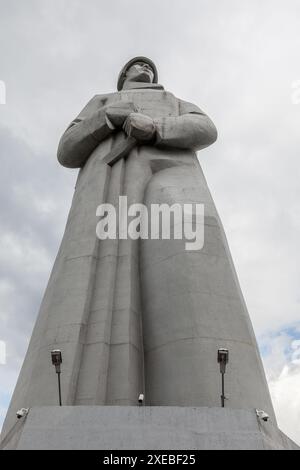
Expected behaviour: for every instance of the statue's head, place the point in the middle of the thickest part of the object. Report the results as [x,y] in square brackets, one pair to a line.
[139,69]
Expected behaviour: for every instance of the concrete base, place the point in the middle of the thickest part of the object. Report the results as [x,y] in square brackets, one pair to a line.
[145,428]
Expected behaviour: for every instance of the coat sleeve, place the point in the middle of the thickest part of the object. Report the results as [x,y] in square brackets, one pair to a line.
[84,134]
[192,129]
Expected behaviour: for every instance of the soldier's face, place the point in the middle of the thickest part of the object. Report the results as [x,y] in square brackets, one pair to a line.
[140,72]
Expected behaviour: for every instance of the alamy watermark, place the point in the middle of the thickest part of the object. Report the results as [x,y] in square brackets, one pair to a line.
[161,221]
[2,92]
[295,92]
[2,353]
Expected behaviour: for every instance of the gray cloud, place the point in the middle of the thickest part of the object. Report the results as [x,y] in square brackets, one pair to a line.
[236,60]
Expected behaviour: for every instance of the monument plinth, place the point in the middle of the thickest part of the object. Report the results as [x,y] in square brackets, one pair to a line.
[145,428]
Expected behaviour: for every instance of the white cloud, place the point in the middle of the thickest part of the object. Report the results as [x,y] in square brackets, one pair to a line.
[282,363]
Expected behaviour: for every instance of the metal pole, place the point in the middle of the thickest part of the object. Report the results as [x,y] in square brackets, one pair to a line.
[59,388]
[223,392]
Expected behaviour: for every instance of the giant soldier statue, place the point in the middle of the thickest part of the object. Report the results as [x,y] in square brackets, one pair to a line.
[145,316]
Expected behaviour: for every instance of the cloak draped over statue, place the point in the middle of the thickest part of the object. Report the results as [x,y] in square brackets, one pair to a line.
[141,316]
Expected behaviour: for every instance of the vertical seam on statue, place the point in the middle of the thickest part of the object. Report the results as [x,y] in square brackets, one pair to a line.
[122,180]
[90,296]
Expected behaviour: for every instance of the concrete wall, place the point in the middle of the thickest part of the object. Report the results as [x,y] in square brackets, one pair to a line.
[154,428]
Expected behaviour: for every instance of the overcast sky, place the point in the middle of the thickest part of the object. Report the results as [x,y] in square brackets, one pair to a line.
[237,60]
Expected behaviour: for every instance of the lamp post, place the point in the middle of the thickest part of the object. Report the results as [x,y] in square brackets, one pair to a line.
[223,358]
[56,357]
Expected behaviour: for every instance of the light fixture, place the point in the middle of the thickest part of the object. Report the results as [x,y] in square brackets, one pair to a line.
[141,399]
[223,358]
[56,357]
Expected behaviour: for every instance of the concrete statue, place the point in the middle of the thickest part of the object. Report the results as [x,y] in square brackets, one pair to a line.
[138,317]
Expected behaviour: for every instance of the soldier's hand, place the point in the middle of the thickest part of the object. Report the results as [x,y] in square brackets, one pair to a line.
[118,113]
[140,126]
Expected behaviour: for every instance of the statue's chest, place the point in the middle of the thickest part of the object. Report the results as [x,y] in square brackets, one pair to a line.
[154,103]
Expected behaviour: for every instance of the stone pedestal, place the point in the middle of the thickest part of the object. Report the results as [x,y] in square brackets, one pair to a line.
[144,428]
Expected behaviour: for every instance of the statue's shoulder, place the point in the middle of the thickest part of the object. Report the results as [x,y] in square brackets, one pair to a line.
[105,96]
[95,103]
[102,99]
[186,107]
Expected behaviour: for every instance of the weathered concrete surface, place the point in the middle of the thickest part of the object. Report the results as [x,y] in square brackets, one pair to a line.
[137,317]
[10,441]
[155,428]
